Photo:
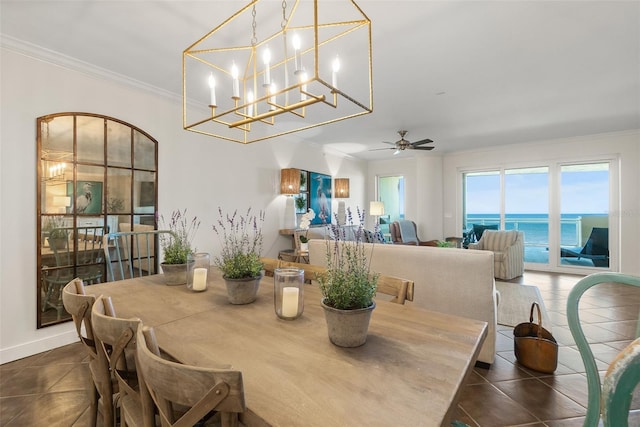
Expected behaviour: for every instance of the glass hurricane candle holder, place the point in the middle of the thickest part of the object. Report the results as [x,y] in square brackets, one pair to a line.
[198,273]
[288,292]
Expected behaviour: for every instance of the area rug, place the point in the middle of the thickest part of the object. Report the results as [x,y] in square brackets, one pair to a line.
[515,304]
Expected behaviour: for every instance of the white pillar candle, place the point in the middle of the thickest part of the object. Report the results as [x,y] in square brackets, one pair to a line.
[290,301]
[200,279]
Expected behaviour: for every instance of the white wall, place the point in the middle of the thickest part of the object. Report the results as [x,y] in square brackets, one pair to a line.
[195,172]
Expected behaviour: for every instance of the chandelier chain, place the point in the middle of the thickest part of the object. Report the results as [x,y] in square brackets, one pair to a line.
[254,39]
[283,24]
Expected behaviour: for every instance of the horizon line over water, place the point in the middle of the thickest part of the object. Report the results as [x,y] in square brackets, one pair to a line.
[536,232]
[533,215]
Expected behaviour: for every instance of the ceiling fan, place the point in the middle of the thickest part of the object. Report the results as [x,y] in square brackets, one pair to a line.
[403,144]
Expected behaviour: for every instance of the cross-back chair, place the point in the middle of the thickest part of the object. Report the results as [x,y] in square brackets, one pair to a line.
[199,389]
[133,253]
[401,289]
[116,340]
[269,265]
[311,271]
[612,397]
[78,304]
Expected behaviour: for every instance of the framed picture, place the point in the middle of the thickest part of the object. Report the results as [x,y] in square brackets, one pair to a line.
[304,178]
[302,202]
[320,197]
[88,197]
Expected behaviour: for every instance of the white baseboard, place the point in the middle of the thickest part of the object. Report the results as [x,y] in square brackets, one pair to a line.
[34,347]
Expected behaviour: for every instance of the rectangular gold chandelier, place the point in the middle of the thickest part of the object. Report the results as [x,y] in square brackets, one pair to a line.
[272,69]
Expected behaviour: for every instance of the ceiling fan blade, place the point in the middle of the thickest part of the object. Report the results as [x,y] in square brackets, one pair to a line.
[378,149]
[390,143]
[423,148]
[424,141]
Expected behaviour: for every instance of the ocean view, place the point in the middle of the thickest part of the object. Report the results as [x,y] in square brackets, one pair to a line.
[535,226]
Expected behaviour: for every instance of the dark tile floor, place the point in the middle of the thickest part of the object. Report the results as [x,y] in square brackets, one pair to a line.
[51,388]
[508,394]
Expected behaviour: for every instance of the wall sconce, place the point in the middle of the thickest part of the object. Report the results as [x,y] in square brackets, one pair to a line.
[289,185]
[341,186]
[376,209]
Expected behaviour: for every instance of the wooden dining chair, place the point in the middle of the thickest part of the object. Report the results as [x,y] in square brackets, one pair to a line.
[199,389]
[400,289]
[270,264]
[132,253]
[116,341]
[311,271]
[78,304]
[612,397]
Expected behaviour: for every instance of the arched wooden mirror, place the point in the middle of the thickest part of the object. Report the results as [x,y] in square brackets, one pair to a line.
[95,174]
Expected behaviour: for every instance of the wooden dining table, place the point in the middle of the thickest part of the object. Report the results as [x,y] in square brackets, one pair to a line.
[408,373]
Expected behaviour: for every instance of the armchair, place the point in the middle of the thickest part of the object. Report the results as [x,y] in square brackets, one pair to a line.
[508,252]
[405,232]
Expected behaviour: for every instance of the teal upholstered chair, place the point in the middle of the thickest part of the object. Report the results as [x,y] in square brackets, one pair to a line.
[612,397]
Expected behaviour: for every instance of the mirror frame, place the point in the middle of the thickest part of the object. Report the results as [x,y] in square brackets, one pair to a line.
[131,170]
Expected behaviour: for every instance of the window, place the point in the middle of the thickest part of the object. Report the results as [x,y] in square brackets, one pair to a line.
[390,192]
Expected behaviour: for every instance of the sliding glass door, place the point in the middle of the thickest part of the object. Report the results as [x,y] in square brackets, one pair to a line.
[584,213]
[561,208]
[526,200]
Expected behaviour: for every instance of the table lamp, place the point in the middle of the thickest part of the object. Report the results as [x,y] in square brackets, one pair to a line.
[289,185]
[376,209]
[341,186]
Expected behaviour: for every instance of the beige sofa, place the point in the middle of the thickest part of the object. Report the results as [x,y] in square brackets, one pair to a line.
[449,280]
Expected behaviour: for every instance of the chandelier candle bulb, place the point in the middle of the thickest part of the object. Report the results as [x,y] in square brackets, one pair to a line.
[236,83]
[212,87]
[296,53]
[266,58]
[334,75]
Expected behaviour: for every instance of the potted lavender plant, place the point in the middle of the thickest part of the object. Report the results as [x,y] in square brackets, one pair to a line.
[176,248]
[239,259]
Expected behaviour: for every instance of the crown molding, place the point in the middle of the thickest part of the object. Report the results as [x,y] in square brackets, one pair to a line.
[56,58]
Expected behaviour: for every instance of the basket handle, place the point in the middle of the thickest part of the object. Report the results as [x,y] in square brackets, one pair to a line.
[536,306]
